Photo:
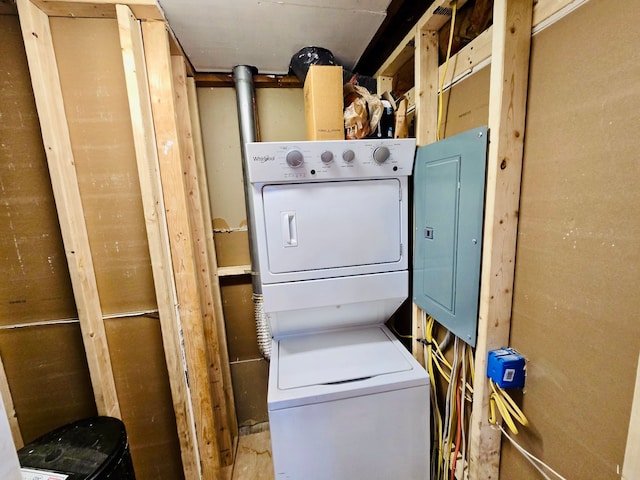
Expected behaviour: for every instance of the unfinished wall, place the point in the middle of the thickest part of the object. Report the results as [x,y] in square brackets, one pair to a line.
[40,342]
[281,118]
[95,98]
[576,303]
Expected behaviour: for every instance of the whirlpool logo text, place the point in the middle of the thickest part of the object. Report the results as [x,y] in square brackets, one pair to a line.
[263,158]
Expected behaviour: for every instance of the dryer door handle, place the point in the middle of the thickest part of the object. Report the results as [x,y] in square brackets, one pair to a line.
[289,229]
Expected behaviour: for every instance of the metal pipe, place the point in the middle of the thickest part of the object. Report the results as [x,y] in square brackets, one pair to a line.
[245,99]
[247,118]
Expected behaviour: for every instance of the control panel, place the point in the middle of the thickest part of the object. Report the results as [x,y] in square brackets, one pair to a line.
[312,161]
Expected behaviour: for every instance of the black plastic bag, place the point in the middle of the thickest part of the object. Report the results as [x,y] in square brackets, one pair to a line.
[308,56]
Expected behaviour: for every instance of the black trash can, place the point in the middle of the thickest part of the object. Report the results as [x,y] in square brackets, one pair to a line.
[91,449]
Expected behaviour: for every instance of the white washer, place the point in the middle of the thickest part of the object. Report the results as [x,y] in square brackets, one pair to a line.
[346,400]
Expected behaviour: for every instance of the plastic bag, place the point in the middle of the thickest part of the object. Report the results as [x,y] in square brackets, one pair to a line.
[307,56]
[362,113]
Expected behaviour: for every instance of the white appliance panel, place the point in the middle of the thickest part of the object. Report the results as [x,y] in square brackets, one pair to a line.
[377,437]
[377,427]
[337,356]
[315,226]
[329,160]
[329,303]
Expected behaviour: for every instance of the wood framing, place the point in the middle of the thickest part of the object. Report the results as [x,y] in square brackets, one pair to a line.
[426,107]
[142,9]
[631,467]
[157,233]
[168,141]
[260,81]
[7,400]
[198,145]
[507,112]
[433,19]
[55,134]
[201,255]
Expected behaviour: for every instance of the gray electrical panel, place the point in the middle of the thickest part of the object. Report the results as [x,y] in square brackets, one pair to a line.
[449,186]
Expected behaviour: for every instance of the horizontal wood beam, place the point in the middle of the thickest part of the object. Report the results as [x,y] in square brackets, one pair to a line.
[260,81]
[142,9]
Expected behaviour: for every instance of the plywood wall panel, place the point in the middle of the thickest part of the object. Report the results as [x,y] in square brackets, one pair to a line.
[95,96]
[221,142]
[36,284]
[575,304]
[466,104]
[48,376]
[281,114]
[239,318]
[142,382]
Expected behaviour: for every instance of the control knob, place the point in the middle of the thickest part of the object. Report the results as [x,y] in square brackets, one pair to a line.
[326,157]
[381,154]
[295,158]
[348,156]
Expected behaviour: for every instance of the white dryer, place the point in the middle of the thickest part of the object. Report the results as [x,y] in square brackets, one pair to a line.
[346,400]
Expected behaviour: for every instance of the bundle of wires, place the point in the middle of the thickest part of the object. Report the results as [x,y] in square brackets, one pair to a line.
[451,417]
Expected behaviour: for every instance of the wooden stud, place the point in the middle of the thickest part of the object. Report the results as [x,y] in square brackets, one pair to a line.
[38,42]
[426,110]
[468,59]
[631,466]
[200,246]
[198,144]
[7,400]
[402,54]
[385,84]
[157,234]
[168,142]
[142,9]
[438,14]
[507,111]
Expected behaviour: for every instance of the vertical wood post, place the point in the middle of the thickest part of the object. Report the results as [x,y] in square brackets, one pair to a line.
[45,79]
[200,250]
[426,80]
[158,235]
[631,466]
[507,112]
[232,420]
[7,400]
[163,102]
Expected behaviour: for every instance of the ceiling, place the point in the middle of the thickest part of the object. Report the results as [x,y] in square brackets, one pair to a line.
[217,35]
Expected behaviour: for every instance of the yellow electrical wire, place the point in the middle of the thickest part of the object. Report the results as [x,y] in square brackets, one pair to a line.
[446,66]
[507,408]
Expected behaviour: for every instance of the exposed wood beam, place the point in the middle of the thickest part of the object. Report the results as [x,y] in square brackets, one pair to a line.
[47,90]
[507,112]
[142,9]
[631,467]
[162,93]
[232,420]
[260,81]
[200,250]
[7,400]
[426,111]
[157,234]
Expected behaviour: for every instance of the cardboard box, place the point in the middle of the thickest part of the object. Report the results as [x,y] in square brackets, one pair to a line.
[323,103]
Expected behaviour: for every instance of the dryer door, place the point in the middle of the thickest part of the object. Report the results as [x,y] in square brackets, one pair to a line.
[334,225]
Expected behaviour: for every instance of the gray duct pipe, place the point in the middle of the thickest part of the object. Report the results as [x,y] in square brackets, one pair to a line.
[245,98]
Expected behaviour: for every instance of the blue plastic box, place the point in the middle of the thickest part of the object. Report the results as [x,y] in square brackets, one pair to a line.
[506,368]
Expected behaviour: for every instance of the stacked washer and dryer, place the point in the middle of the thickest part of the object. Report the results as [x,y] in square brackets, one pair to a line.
[346,400]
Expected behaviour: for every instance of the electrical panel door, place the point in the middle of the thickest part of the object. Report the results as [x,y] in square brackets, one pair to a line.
[449,185]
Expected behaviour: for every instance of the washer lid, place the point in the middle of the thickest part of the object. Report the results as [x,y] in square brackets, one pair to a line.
[335,357]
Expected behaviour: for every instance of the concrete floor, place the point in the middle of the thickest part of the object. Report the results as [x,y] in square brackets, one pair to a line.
[253,457]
